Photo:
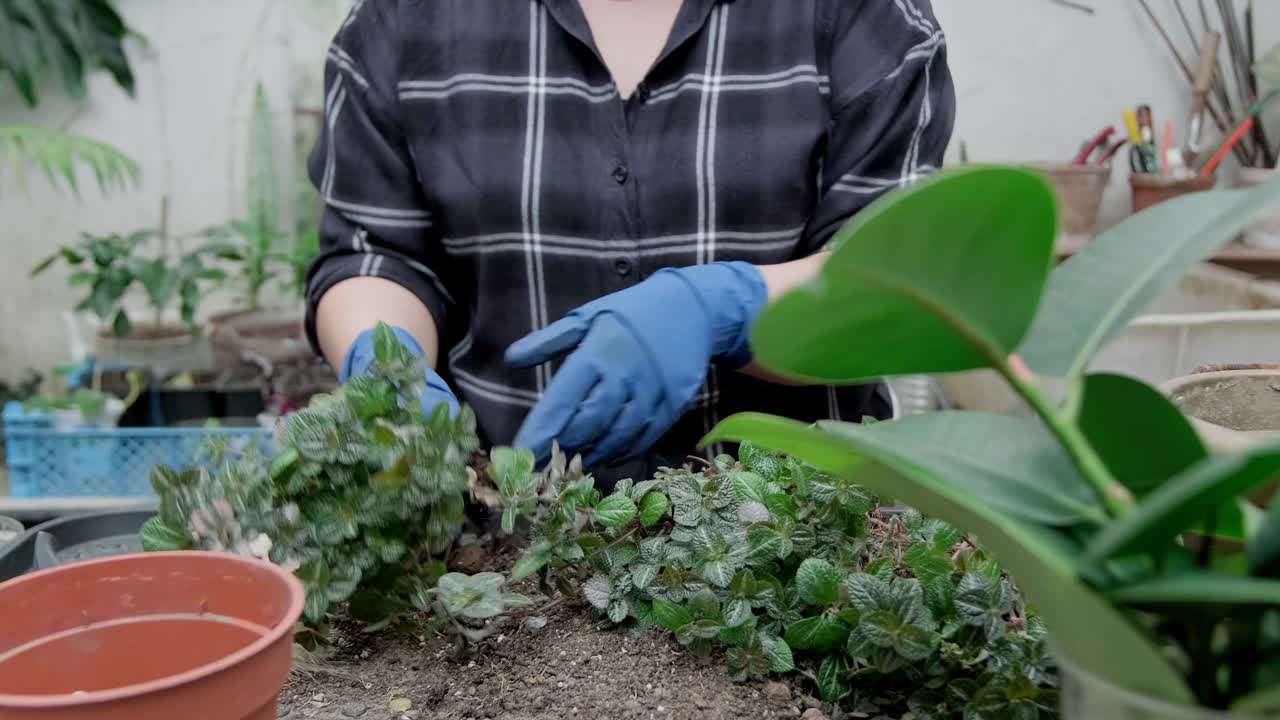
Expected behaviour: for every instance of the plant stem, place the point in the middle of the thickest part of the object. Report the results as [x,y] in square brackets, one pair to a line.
[1115,497]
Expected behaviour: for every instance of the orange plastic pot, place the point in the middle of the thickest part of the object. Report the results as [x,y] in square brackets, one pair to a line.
[148,636]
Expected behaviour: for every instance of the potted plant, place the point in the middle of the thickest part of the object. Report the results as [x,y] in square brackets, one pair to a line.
[1085,503]
[216,628]
[111,266]
[259,247]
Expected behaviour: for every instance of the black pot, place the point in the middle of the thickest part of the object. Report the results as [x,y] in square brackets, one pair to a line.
[73,538]
[237,393]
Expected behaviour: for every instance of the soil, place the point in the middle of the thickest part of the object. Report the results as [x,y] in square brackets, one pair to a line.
[152,332]
[1247,402]
[569,667]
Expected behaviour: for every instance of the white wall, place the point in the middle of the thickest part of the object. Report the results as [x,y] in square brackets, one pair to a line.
[1033,78]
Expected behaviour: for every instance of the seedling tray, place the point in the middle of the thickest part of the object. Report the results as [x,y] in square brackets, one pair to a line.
[72,539]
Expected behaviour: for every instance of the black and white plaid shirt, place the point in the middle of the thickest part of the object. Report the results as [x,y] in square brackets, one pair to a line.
[478,153]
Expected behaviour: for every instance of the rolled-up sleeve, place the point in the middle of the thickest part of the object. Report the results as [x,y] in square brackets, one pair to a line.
[892,108]
[376,222]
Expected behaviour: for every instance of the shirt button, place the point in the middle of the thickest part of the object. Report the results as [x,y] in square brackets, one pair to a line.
[622,266]
[620,173]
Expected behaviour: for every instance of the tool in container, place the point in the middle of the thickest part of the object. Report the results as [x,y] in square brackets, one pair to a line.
[1200,86]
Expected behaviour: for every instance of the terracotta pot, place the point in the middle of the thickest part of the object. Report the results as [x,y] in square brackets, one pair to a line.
[1079,190]
[1153,188]
[148,636]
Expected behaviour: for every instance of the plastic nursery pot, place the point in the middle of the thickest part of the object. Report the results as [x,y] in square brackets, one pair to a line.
[1085,696]
[148,636]
[1154,188]
[10,531]
[1265,233]
[1079,190]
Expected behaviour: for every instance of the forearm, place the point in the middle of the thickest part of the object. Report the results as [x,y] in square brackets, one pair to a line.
[780,279]
[359,303]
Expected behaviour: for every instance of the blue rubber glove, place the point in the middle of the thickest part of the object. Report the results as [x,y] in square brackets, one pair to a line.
[637,359]
[360,356]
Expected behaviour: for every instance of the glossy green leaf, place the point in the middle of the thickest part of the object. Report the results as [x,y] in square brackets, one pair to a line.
[1178,504]
[818,633]
[1026,474]
[778,653]
[670,615]
[1199,588]
[818,582]
[615,511]
[833,677]
[1140,435]
[1096,294]
[737,612]
[653,506]
[1087,630]
[894,277]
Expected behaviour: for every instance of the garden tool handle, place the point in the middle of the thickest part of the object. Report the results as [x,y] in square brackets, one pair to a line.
[1203,81]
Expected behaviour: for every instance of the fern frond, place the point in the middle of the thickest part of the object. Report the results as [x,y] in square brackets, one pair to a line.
[261,188]
[60,155]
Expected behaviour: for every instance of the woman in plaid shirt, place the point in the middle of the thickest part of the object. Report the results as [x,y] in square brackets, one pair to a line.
[575,208]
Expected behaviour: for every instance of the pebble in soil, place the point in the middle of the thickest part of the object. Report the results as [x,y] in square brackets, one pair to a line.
[570,669]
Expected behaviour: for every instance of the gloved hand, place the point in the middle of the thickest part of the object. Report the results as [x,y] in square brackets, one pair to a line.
[637,359]
[361,355]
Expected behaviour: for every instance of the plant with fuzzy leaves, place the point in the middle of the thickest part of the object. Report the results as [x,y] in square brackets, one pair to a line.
[362,498]
[1089,503]
[785,568]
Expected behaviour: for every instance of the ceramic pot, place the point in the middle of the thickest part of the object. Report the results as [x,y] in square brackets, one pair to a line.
[1153,188]
[148,636]
[1079,190]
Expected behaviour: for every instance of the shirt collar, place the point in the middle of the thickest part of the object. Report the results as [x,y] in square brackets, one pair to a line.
[692,16]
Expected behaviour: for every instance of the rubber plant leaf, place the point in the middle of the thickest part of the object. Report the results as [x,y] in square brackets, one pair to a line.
[1094,295]
[1026,474]
[1164,514]
[1210,590]
[1144,440]
[1087,629]
[902,275]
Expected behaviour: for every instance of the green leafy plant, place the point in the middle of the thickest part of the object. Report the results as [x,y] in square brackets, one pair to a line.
[1088,503]
[362,497]
[76,38]
[779,567]
[255,243]
[110,266]
[58,155]
[774,565]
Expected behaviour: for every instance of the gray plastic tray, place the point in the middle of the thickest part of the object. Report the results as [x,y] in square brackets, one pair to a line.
[71,539]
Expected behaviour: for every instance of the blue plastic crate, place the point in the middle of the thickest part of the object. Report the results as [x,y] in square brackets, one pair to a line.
[44,462]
